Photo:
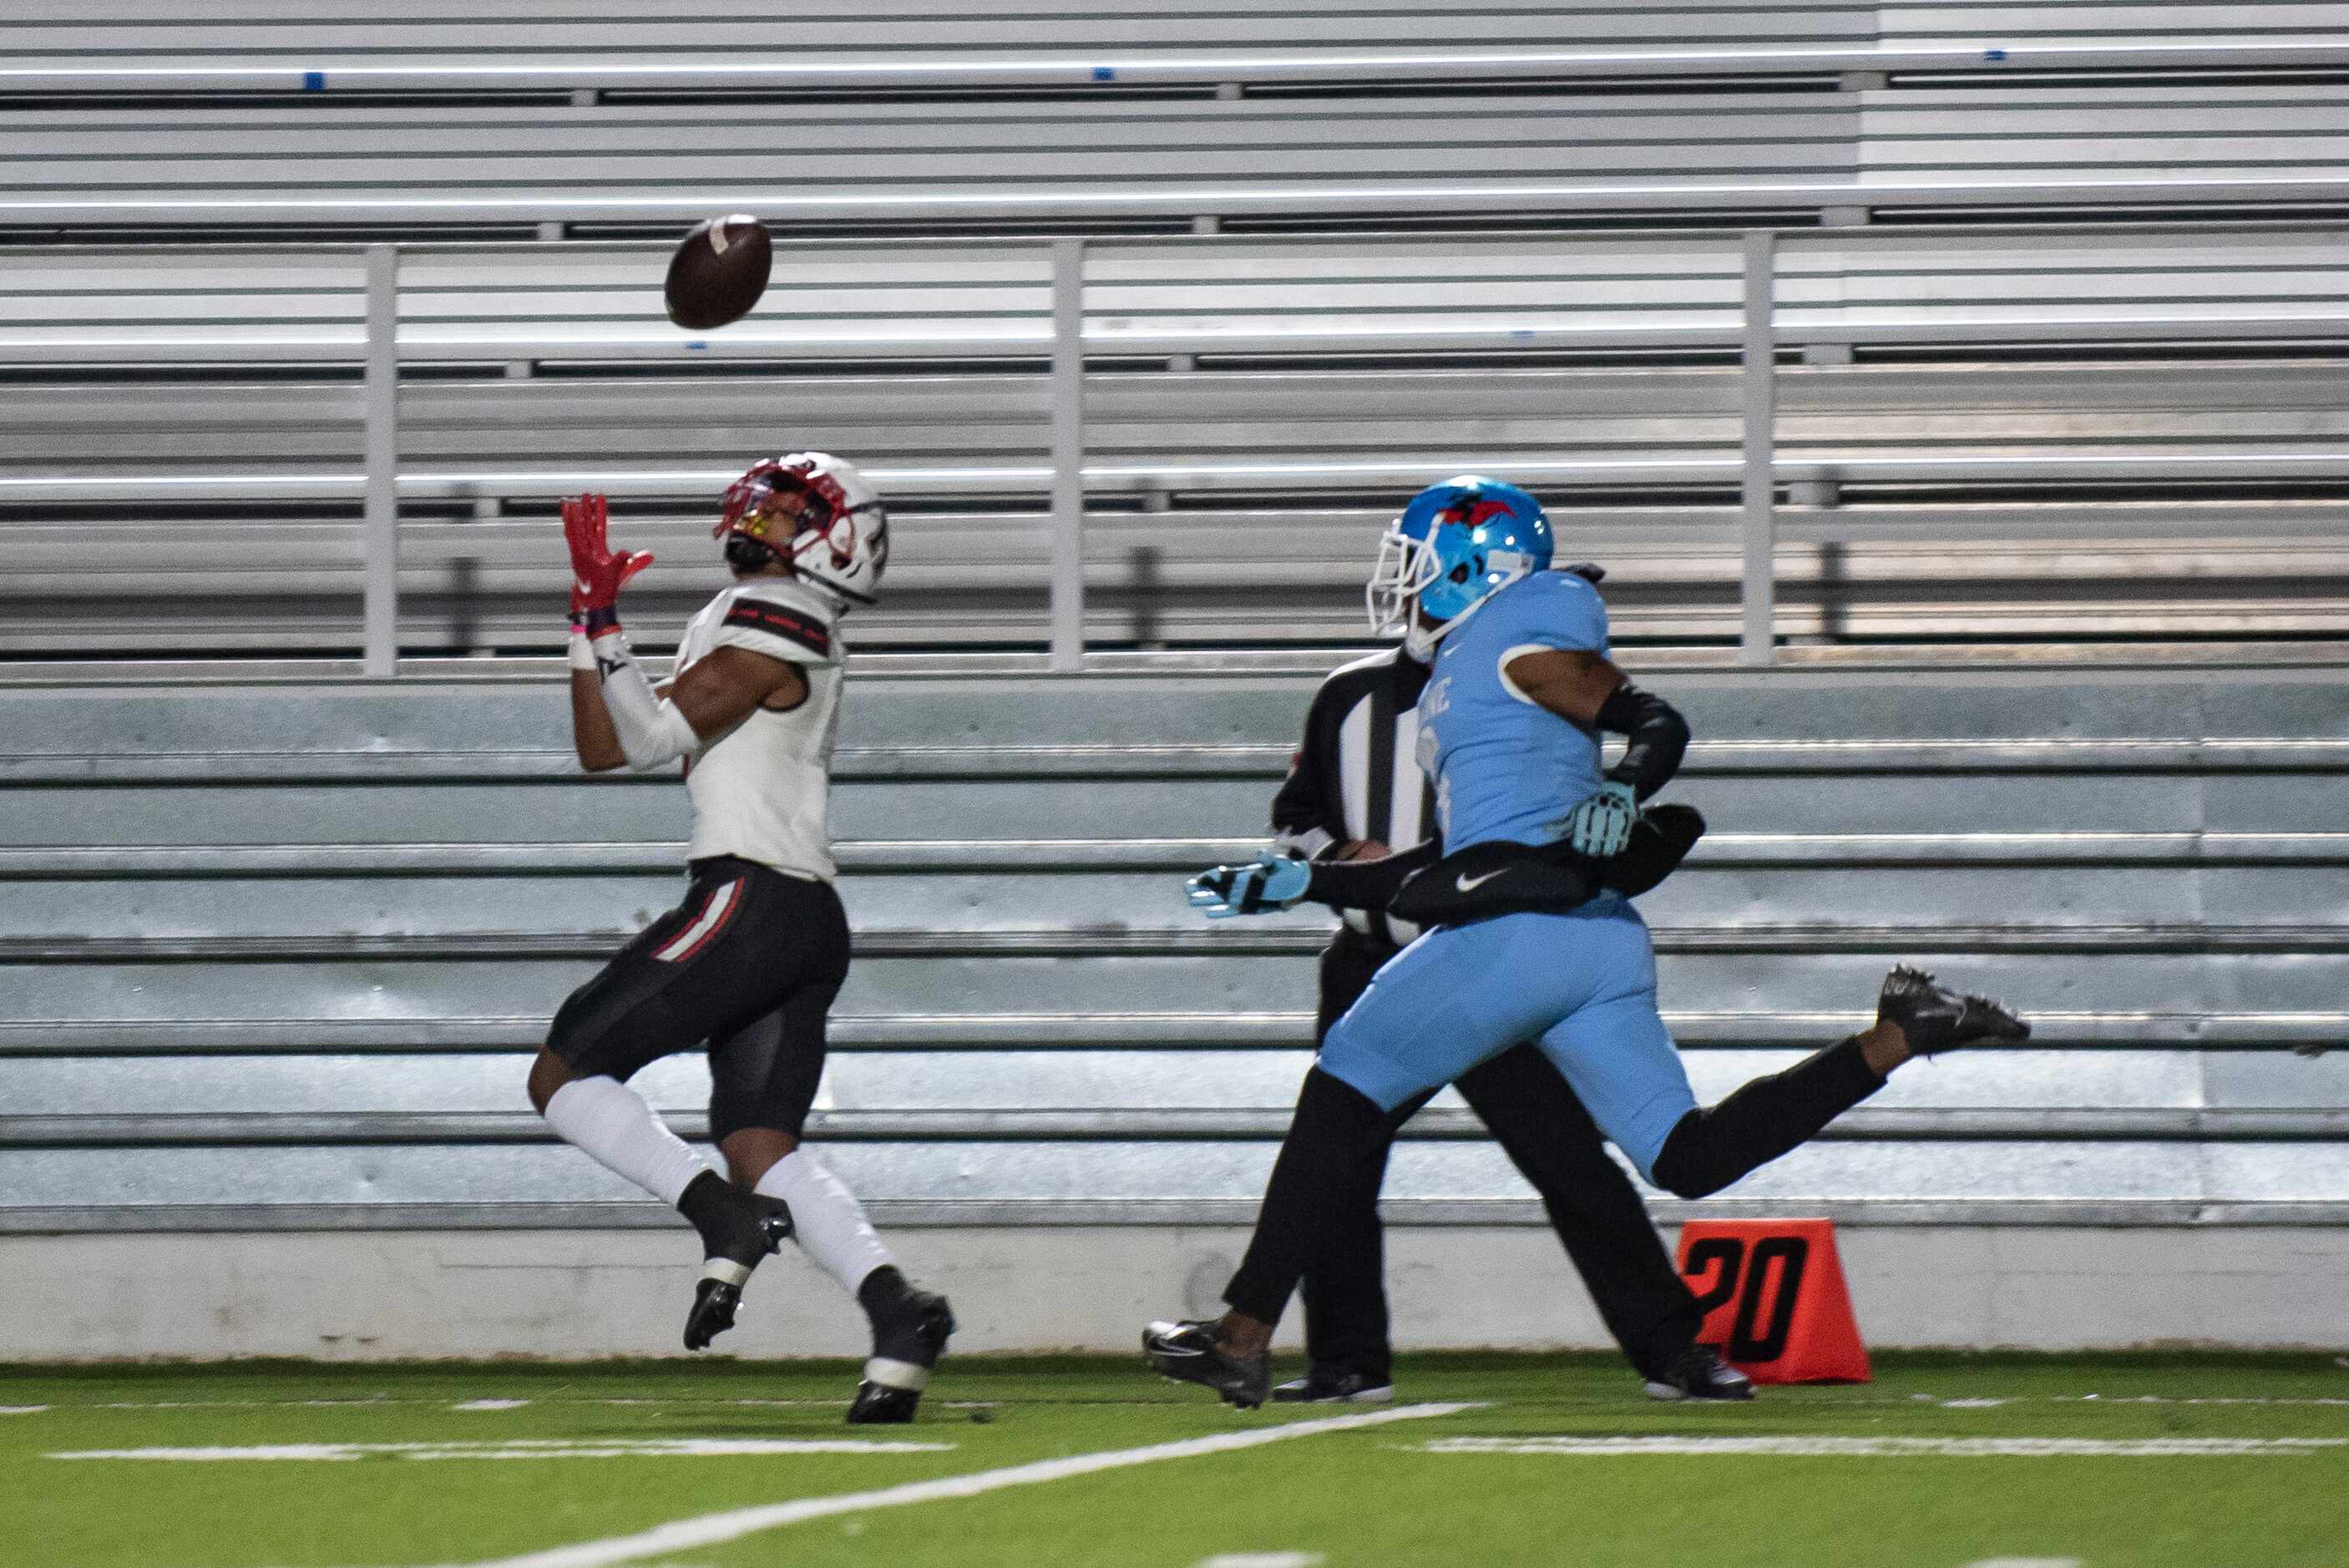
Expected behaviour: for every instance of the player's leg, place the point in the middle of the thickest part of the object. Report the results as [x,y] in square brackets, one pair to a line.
[1619,1058]
[1431,1014]
[1596,1213]
[763,1079]
[1349,1349]
[1622,1063]
[1348,1352]
[1709,1148]
[654,997]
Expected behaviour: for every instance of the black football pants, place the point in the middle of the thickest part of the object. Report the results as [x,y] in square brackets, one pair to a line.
[749,963]
[1547,1134]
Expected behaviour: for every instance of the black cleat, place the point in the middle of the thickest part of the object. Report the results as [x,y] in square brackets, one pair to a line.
[712,1312]
[1188,1351]
[905,1348]
[1335,1385]
[879,1405]
[739,1232]
[1699,1373]
[1936,1019]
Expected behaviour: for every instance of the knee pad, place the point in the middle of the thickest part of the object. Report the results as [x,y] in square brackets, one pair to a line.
[1681,1167]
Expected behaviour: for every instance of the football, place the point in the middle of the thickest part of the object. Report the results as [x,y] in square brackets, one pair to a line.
[719,272]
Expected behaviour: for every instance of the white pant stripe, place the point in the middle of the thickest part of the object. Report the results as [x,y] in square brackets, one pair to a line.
[713,916]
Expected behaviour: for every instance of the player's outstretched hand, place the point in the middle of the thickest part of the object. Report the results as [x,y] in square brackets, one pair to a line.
[1600,824]
[596,574]
[1273,881]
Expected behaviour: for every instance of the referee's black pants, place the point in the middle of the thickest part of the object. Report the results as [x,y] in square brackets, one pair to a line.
[1547,1134]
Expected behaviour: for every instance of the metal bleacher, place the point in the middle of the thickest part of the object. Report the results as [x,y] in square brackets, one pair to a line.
[2057,460]
[427,115]
[292,946]
[1253,405]
[2061,432]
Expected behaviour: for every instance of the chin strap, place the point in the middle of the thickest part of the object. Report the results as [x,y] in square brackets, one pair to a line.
[651,729]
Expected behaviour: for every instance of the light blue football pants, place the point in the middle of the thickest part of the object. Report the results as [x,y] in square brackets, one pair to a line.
[1582,984]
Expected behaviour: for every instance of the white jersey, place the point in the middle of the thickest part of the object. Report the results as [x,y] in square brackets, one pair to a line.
[760,789]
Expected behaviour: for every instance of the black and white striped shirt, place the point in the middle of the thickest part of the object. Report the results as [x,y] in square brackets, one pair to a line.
[1357,776]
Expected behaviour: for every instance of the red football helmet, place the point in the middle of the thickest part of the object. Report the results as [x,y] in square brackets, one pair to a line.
[818,514]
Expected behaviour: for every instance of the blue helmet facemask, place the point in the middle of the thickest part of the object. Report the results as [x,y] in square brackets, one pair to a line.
[1455,545]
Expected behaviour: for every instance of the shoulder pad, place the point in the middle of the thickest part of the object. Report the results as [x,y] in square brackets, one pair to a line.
[783,609]
[792,594]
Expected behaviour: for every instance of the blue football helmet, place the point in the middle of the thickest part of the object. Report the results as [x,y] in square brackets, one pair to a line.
[1455,545]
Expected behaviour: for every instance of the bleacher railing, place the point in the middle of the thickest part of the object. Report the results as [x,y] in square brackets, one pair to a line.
[1757,293]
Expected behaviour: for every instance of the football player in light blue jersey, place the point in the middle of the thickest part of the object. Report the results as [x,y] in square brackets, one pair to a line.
[1509,728]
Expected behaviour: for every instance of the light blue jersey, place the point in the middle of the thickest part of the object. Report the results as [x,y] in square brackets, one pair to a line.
[1503,767]
[1582,984]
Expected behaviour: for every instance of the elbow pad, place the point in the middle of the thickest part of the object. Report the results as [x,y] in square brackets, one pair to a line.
[651,730]
[1659,737]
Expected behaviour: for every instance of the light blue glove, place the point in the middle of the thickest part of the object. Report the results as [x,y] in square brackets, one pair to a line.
[1274,882]
[1600,824]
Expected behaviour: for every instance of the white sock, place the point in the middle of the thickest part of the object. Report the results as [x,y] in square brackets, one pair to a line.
[607,1119]
[829,1223]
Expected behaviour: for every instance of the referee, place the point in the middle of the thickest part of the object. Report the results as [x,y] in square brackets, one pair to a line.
[1355,792]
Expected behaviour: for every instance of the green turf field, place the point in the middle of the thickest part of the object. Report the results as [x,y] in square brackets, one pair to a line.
[2188,1460]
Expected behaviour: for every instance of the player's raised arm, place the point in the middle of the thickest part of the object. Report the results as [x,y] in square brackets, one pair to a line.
[617,717]
[597,578]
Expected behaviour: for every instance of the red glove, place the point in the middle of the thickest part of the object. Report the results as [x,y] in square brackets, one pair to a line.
[596,574]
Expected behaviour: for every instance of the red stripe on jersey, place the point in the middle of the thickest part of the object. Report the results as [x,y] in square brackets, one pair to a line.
[782,623]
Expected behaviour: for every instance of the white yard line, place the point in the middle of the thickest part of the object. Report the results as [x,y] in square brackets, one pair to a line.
[1264,1560]
[384,1401]
[1894,1448]
[525,1448]
[369,1402]
[2117,1399]
[2177,1400]
[747,1404]
[711,1528]
[1843,1398]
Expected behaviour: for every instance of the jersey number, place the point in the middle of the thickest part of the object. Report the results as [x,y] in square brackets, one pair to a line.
[1750,1281]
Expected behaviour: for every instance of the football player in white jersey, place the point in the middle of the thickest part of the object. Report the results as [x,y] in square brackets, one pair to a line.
[751,960]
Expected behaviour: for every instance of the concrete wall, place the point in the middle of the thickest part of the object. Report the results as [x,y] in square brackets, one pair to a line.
[365,1294]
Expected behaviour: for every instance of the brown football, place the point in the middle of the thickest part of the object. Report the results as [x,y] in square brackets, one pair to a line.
[719,272]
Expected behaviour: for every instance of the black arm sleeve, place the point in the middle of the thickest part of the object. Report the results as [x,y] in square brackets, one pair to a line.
[1661,839]
[1368,885]
[1502,878]
[1658,734]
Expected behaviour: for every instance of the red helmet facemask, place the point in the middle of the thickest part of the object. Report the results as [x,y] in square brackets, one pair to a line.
[775,503]
[817,516]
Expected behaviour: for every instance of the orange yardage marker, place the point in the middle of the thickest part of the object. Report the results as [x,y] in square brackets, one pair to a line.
[1777,1307]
